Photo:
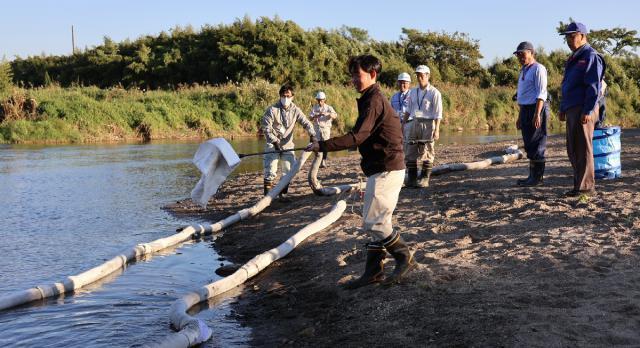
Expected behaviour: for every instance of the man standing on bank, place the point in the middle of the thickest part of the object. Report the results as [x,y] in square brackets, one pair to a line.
[534,111]
[322,114]
[422,128]
[378,135]
[277,124]
[579,106]
[400,100]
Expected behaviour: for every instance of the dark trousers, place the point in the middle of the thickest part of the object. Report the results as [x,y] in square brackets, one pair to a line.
[535,139]
[580,148]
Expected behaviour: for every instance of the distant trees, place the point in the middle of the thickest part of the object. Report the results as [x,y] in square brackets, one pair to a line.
[455,56]
[267,48]
[6,76]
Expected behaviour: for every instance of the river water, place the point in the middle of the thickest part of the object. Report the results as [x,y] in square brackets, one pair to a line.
[65,209]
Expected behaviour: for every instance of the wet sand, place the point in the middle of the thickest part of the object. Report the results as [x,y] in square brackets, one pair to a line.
[499,265]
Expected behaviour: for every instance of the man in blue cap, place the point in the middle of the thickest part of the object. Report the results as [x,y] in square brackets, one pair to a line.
[579,106]
[534,111]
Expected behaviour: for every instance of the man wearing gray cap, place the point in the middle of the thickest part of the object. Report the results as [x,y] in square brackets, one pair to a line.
[421,128]
[583,73]
[400,100]
[534,111]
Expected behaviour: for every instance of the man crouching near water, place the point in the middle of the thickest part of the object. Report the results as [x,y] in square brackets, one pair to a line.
[378,135]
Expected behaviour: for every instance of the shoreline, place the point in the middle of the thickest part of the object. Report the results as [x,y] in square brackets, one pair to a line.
[499,265]
[230,135]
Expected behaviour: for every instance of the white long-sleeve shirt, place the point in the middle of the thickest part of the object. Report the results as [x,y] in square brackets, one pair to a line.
[425,103]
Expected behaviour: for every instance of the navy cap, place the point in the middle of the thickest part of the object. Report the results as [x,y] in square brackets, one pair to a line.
[575,27]
[524,46]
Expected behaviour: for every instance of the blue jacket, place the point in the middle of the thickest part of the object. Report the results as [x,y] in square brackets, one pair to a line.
[581,83]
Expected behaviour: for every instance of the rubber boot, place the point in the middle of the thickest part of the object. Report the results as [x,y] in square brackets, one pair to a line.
[537,174]
[268,185]
[539,171]
[373,269]
[403,256]
[412,172]
[522,181]
[283,197]
[323,164]
[427,167]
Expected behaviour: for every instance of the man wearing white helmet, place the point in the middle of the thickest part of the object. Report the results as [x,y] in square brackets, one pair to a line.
[400,100]
[322,114]
[421,128]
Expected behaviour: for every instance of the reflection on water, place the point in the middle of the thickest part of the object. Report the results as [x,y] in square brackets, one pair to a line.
[66,209]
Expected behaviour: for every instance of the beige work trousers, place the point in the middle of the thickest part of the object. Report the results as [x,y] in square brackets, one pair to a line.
[380,199]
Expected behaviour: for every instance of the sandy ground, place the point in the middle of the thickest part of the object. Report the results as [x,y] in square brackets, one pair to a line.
[499,265]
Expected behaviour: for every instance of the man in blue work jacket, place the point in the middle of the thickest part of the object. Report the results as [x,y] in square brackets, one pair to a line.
[579,106]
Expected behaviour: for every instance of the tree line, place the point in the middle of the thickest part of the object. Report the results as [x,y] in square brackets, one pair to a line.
[281,51]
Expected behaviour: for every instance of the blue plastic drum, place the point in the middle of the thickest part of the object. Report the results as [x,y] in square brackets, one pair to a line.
[606,152]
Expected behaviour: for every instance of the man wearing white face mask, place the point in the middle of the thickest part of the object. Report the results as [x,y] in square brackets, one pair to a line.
[278,124]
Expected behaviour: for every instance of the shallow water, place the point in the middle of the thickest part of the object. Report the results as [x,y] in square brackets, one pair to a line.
[66,209]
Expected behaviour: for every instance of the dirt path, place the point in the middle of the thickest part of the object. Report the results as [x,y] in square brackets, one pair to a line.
[499,265]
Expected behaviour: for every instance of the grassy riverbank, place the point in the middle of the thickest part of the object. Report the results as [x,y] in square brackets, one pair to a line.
[90,114]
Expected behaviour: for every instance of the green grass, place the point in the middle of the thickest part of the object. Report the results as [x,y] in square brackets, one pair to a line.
[90,114]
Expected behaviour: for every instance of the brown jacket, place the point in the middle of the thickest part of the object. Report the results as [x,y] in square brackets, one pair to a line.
[377,134]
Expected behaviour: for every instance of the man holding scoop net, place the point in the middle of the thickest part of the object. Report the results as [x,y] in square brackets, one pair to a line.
[378,135]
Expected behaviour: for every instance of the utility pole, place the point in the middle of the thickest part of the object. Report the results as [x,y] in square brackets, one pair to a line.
[73,41]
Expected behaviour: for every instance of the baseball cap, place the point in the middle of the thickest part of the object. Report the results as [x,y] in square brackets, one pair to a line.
[423,69]
[575,27]
[524,46]
[404,77]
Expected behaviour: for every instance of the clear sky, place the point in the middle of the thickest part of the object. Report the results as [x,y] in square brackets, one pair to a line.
[31,27]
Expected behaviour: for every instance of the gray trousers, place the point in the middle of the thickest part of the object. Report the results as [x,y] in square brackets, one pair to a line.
[580,148]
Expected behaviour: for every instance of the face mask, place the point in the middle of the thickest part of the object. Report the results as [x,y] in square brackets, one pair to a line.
[285,101]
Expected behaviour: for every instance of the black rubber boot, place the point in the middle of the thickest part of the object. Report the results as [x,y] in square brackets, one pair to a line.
[537,174]
[403,256]
[283,197]
[373,269]
[522,181]
[427,167]
[412,172]
[268,185]
[540,171]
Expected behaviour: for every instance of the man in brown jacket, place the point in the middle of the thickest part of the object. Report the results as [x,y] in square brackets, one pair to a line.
[378,135]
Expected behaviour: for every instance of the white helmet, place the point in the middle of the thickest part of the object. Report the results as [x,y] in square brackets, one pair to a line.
[404,77]
[320,95]
[423,69]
